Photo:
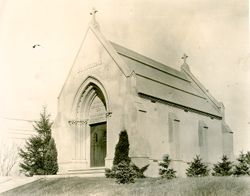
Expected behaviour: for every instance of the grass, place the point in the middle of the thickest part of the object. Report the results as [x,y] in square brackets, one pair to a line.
[206,186]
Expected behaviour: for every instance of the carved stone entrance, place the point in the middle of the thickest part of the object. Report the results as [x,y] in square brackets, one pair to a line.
[98,145]
[90,126]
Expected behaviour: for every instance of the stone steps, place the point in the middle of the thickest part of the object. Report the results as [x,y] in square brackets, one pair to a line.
[91,172]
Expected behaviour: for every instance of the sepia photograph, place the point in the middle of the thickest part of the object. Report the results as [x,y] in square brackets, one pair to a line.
[126,98]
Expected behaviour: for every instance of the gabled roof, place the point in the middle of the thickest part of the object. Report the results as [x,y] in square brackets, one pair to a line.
[94,28]
[158,81]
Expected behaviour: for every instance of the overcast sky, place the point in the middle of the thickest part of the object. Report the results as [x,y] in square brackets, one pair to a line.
[213,33]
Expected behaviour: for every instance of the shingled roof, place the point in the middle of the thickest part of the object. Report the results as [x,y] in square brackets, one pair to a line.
[158,81]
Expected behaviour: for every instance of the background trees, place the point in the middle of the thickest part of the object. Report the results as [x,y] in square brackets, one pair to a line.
[8,158]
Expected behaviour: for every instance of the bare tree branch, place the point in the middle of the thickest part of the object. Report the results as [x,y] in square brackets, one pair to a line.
[8,158]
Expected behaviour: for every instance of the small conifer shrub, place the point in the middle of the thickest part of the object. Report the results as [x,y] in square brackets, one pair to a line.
[124,173]
[223,168]
[122,149]
[111,173]
[242,167]
[165,171]
[108,173]
[197,168]
[248,158]
[139,172]
[122,168]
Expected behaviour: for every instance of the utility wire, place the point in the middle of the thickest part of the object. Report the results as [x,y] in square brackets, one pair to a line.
[19,119]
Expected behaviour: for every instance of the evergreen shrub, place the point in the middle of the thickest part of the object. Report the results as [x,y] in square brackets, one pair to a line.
[223,168]
[139,172]
[242,167]
[39,155]
[122,149]
[125,173]
[165,171]
[122,168]
[197,168]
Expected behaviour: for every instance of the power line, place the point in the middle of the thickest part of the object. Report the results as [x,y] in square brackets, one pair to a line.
[20,133]
[19,119]
[27,130]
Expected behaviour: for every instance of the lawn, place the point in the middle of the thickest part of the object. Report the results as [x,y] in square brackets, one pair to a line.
[225,186]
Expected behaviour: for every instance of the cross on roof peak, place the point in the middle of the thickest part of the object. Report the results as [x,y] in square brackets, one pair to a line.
[184,57]
[93,22]
[93,13]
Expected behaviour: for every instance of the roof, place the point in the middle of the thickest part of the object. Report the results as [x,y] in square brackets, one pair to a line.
[159,81]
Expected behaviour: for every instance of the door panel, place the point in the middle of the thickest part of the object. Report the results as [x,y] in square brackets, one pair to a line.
[98,145]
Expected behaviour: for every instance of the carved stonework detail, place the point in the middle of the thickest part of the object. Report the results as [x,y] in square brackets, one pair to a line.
[89,66]
[78,122]
[108,114]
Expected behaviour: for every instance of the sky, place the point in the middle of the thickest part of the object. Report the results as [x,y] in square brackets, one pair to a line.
[214,34]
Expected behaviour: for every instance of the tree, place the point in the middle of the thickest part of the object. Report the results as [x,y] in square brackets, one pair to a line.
[50,163]
[122,168]
[165,171]
[122,149]
[8,158]
[39,150]
[242,168]
[32,157]
[223,168]
[197,168]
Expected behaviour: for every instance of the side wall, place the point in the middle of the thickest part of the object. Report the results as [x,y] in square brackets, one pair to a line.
[169,130]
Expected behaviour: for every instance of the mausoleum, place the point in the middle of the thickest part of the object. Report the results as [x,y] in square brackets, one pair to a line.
[164,111]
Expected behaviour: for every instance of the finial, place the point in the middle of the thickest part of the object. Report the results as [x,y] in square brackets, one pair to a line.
[184,57]
[93,13]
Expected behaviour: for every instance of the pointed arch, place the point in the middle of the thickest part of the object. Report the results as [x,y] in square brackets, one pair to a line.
[85,95]
[90,107]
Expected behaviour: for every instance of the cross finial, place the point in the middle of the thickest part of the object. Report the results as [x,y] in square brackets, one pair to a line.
[184,57]
[93,13]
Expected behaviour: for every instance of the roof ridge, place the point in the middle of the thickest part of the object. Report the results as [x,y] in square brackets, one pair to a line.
[145,60]
[113,43]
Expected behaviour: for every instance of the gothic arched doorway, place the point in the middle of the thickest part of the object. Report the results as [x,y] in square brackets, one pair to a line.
[91,110]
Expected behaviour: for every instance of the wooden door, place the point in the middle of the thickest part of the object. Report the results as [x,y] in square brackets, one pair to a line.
[98,145]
